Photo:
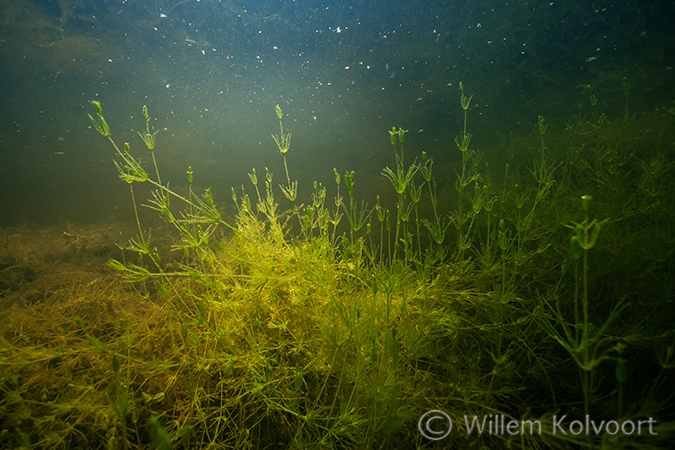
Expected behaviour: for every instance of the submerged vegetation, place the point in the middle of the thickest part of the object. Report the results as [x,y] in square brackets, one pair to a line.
[527,291]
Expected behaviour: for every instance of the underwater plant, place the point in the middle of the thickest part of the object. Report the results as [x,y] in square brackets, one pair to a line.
[283,142]
[382,294]
[538,291]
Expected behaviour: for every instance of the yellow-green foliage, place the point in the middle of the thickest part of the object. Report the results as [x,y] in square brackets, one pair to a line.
[298,329]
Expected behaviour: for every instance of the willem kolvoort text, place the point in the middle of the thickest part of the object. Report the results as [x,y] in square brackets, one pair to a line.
[500,425]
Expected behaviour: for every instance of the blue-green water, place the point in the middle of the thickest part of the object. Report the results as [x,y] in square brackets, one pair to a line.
[211,73]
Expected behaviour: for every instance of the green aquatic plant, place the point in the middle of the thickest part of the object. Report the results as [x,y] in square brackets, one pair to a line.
[402,177]
[130,171]
[467,176]
[627,117]
[149,141]
[315,216]
[587,345]
[196,226]
[160,437]
[283,142]
[292,328]
[118,397]
[400,180]
[437,226]
[148,138]
[357,216]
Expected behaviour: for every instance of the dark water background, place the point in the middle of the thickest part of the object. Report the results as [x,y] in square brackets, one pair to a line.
[344,72]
